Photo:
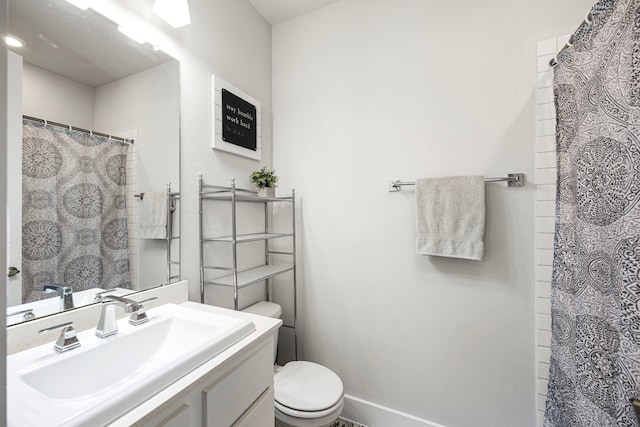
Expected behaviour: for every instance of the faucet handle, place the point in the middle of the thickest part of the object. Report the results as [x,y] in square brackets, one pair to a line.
[67,339]
[129,305]
[139,316]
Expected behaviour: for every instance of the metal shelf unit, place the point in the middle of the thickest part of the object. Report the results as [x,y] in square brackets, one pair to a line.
[236,278]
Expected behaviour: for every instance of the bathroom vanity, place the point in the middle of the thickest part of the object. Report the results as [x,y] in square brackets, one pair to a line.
[235,388]
[189,365]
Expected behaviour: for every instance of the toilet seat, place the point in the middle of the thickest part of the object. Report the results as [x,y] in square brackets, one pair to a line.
[307,390]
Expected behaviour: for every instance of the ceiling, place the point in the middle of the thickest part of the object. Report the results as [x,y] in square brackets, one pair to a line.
[81,45]
[275,11]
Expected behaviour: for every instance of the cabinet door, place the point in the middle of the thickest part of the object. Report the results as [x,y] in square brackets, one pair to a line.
[261,413]
[178,418]
[226,400]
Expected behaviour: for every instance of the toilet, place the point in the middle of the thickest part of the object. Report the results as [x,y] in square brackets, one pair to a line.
[306,394]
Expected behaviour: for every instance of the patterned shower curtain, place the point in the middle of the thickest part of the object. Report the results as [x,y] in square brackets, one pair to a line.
[595,348]
[74,220]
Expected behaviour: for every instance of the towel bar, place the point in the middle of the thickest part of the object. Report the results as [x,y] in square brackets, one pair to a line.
[512,180]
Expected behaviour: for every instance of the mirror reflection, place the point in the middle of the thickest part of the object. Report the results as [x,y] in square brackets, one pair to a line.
[93,172]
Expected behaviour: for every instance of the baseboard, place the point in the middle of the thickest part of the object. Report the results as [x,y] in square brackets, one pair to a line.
[374,415]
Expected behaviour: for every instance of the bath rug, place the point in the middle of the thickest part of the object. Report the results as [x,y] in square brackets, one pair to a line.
[343,422]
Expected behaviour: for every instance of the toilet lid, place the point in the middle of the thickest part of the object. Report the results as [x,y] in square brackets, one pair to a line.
[307,386]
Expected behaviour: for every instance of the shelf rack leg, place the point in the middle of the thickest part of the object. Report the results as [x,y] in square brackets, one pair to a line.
[234,244]
[295,284]
[201,240]
[169,233]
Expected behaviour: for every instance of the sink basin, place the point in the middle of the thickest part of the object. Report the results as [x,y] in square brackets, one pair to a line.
[52,305]
[104,378]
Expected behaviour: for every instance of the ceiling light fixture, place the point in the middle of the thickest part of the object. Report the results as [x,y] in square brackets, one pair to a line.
[133,36]
[13,41]
[173,12]
[79,4]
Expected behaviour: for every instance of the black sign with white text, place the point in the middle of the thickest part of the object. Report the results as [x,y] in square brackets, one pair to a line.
[238,121]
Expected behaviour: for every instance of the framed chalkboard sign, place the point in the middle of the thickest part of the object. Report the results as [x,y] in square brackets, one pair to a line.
[238,121]
[236,124]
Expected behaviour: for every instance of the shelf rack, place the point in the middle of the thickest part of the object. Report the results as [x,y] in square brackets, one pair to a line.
[236,278]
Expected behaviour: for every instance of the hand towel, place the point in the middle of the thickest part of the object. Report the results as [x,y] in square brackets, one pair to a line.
[153,216]
[450,214]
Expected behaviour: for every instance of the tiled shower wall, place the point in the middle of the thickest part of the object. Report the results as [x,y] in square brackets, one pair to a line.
[545,211]
[132,210]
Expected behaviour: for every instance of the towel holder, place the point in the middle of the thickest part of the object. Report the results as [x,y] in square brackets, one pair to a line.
[512,180]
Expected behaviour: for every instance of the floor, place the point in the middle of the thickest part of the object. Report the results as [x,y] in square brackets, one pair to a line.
[342,422]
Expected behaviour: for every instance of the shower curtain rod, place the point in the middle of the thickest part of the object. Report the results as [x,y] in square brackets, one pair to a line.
[106,135]
[588,20]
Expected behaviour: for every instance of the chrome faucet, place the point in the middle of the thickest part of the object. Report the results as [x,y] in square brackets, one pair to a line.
[27,314]
[64,292]
[99,296]
[67,339]
[107,325]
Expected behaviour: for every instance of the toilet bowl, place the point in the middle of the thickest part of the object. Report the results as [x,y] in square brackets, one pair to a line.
[306,394]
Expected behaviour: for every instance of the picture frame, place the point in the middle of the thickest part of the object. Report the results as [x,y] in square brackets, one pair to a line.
[237,120]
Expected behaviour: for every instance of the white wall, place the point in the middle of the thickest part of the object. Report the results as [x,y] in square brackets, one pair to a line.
[3,191]
[149,103]
[14,177]
[370,90]
[52,97]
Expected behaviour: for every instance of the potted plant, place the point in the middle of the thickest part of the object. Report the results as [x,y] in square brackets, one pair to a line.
[265,179]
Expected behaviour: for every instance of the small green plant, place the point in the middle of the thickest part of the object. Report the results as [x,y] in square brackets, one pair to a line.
[264,178]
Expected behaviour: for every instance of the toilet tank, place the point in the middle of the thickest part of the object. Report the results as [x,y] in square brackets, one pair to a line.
[267,309]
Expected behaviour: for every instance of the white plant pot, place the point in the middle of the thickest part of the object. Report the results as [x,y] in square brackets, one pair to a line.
[267,192]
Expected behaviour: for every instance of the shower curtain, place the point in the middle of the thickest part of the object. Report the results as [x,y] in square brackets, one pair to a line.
[595,348]
[74,220]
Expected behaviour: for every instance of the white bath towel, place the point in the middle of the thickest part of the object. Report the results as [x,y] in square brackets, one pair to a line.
[450,214]
[153,216]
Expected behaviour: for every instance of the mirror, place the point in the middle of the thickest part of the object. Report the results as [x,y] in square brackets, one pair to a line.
[76,69]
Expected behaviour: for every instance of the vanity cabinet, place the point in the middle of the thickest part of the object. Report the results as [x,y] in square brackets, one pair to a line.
[227,399]
[233,389]
[240,395]
[178,418]
[261,412]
